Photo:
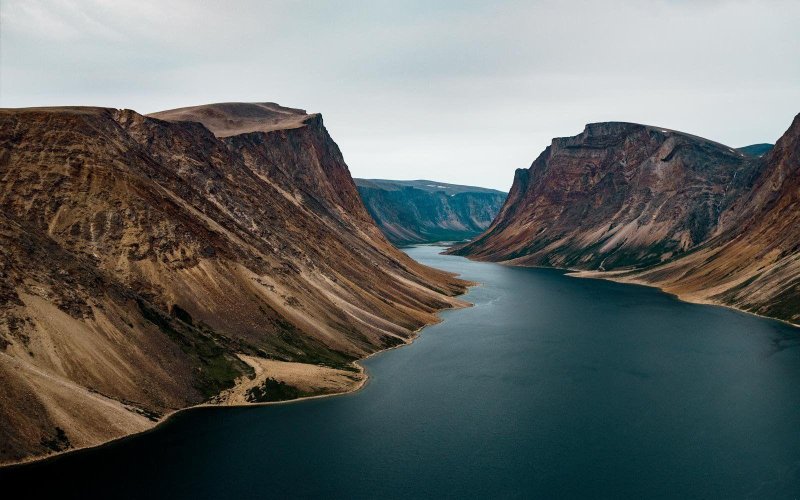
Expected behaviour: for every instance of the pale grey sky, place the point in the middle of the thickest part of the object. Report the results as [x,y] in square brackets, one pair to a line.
[459,91]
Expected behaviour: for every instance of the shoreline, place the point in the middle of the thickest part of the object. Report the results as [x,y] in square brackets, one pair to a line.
[415,334]
[612,276]
[577,273]
[362,370]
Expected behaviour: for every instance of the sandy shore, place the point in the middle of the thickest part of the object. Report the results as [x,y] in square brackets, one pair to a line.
[616,277]
[321,381]
[316,380]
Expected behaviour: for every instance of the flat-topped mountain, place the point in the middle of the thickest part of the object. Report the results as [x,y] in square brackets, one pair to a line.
[234,118]
[424,211]
[152,264]
[425,185]
[698,218]
[616,195]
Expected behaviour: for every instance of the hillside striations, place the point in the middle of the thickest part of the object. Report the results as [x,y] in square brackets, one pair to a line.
[655,206]
[150,264]
[424,211]
[618,194]
[754,264]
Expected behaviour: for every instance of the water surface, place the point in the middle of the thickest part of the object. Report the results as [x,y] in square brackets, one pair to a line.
[551,387]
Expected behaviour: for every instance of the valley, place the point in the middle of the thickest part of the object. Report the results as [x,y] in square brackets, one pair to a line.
[425,211]
[649,205]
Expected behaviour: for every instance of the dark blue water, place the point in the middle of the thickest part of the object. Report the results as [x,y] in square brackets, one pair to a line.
[551,387]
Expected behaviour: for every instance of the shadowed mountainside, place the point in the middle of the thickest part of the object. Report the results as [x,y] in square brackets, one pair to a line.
[424,211]
[659,207]
[148,265]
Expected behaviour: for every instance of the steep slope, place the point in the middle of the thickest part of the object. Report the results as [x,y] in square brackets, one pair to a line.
[648,205]
[755,264]
[616,195]
[140,258]
[427,211]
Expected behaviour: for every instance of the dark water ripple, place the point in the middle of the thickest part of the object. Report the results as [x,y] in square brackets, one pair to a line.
[550,387]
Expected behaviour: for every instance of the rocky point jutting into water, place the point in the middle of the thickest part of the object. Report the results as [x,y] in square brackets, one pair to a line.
[424,211]
[148,263]
[694,217]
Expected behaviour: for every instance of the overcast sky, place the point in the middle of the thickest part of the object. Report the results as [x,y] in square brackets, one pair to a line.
[460,91]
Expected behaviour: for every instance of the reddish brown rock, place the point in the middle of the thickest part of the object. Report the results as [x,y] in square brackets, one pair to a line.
[754,263]
[140,256]
[616,195]
[660,207]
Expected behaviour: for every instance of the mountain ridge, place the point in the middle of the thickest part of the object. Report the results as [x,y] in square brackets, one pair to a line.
[757,149]
[648,205]
[182,266]
[234,118]
[424,211]
[425,185]
[625,188]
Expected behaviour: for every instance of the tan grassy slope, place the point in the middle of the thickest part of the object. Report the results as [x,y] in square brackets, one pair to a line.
[660,207]
[140,258]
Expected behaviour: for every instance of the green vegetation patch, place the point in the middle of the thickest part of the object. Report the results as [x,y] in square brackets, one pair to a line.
[217,367]
[58,442]
[273,390]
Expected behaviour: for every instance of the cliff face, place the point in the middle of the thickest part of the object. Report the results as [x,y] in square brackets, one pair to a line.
[694,217]
[140,257]
[428,211]
[755,263]
[616,195]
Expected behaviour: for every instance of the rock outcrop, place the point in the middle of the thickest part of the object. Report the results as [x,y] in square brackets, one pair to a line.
[140,257]
[426,211]
[754,263]
[616,195]
[655,206]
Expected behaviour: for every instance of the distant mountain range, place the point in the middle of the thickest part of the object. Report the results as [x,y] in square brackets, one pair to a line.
[425,185]
[424,211]
[757,149]
[650,205]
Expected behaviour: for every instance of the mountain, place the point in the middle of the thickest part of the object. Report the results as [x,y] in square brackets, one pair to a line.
[616,195]
[756,149]
[425,211]
[234,118]
[216,254]
[659,207]
[425,185]
[754,264]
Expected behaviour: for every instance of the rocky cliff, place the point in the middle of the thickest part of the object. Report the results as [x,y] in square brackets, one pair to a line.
[754,263]
[616,195]
[153,263]
[661,207]
[426,211]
